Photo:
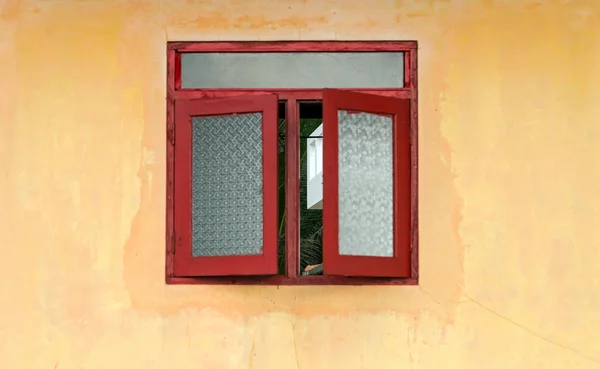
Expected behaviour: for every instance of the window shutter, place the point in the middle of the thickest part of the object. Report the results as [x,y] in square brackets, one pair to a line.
[226,186]
[366,185]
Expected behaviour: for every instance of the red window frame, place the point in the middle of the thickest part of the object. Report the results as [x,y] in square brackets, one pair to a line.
[367,266]
[260,264]
[292,98]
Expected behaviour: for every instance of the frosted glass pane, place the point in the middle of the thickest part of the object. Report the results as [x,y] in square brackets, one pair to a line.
[227,199]
[293,70]
[365,184]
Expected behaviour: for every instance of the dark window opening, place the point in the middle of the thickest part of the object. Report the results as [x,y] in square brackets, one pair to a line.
[311,211]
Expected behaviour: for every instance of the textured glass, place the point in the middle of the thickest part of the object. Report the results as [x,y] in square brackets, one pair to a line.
[293,70]
[227,199]
[365,184]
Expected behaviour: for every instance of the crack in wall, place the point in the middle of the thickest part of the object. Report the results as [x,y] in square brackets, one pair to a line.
[295,346]
[252,352]
[430,296]
[528,330]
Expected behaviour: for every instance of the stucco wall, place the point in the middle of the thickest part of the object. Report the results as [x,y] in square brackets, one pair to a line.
[509,200]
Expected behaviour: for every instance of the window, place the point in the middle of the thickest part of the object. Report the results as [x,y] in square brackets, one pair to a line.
[292,163]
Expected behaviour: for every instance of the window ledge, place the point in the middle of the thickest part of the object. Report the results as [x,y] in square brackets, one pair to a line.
[296,281]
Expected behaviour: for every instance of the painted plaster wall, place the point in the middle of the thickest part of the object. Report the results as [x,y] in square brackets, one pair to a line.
[509,201]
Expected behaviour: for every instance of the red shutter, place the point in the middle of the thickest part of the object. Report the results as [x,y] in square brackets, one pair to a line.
[265,261]
[398,264]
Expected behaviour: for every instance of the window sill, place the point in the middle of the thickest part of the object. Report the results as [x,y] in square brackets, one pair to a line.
[295,281]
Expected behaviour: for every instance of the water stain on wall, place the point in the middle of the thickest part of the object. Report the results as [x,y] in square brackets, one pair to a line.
[508,202]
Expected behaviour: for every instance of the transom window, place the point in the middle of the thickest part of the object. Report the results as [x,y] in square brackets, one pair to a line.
[292,163]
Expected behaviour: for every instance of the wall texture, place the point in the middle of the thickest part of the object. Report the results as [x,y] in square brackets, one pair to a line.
[509,178]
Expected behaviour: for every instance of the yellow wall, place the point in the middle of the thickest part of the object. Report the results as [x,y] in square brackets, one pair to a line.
[509,204]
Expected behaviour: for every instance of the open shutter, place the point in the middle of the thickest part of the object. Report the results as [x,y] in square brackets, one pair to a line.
[366,185]
[226,186]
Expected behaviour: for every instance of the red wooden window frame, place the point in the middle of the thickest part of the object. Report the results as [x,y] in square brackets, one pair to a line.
[369,266]
[292,97]
[260,264]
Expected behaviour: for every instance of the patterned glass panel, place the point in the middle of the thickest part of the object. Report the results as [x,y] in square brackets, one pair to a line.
[227,199]
[365,184]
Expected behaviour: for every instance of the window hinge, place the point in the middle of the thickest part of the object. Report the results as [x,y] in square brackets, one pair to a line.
[171,134]
[173,243]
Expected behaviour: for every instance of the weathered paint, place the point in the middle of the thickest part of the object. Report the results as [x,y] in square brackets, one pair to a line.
[509,206]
